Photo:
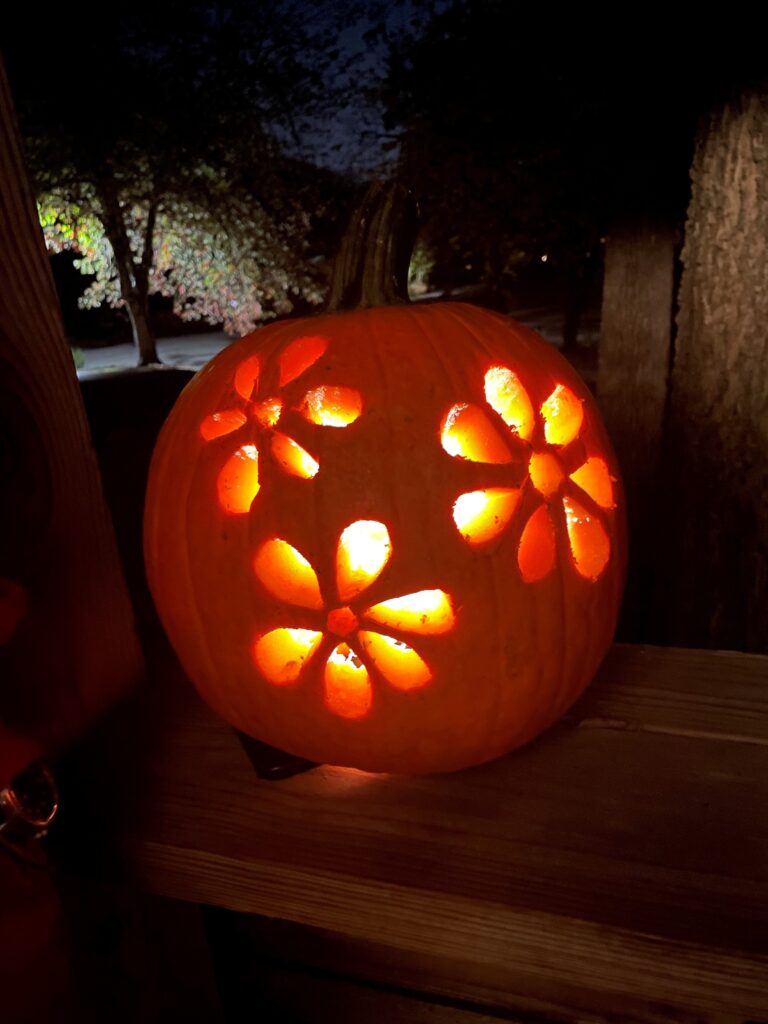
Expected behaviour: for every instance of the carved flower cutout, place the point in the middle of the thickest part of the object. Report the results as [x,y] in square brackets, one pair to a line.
[326,406]
[545,439]
[346,639]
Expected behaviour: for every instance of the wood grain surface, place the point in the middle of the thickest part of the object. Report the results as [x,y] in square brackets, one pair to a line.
[632,389]
[616,866]
[75,651]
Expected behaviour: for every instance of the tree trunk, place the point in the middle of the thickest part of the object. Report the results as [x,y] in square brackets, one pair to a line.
[632,383]
[133,276]
[573,306]
[143,337]
[577,278]
[717,582]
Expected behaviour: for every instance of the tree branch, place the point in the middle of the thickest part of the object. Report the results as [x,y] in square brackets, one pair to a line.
[143,269]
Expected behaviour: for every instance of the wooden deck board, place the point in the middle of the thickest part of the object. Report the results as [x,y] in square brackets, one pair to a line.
[617,865]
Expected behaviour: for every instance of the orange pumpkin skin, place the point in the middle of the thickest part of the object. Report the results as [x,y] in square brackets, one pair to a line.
[511,656]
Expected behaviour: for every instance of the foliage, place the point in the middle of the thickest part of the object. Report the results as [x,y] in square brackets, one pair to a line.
[156,154]
[233,266]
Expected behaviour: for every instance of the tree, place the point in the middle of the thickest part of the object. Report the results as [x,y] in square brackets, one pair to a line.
[717,540]
[157,157]
[526,135]
[227,263]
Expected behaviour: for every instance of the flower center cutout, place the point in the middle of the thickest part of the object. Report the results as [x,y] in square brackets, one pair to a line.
[268,411]
[355,653]
[238,481]
[546,473]
[493,436]
[342,621]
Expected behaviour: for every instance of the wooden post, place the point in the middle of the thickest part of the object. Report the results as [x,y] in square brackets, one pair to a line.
[632,388]
[74,650]
[717,448]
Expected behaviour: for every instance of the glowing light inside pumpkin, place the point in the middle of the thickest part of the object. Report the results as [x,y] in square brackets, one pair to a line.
[426,612]
[332,406]
[293,458]
[221,423]
[398,662]
[347,690]
[467,433]
[268,412]
[594,478]
[507,396]
[546,473]
[287,574]
[589,541]
[480,516]
[364,549]
[563,415]
[536,553]
[281,654]
[247,377]
[342,621]
[238,480]
[299,356]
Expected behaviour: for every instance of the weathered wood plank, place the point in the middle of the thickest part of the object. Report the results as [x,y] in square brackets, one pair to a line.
[528,952]
[75,651]
[716,694]
[635,338]
[632,386]
[716,447]
[608,869]
[283,993]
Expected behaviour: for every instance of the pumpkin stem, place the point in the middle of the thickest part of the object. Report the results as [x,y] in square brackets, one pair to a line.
[371,268]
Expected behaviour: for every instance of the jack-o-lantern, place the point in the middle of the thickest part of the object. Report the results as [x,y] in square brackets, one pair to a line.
[390,538]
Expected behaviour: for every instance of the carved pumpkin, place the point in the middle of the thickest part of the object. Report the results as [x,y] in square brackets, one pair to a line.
[391,539]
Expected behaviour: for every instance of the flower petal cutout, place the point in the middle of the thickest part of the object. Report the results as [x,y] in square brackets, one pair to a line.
[331,406]
[426,612]
[287,574]
[480,516]
[281,654]
[594,478]
[221,423]
[506,395]
[293,458]
[398,663]
[347,687]
[467,433]
[590,544]
[238,481]
[364,549]
[247,377]
[536,553]
[300,355]
[563,415]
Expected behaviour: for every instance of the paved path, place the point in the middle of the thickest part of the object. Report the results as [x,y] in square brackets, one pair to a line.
[190,350]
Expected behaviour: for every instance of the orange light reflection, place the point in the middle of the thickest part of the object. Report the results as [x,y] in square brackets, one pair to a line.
[427,612]
[364,550]
[238,481]
[287,574]
[482,515]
